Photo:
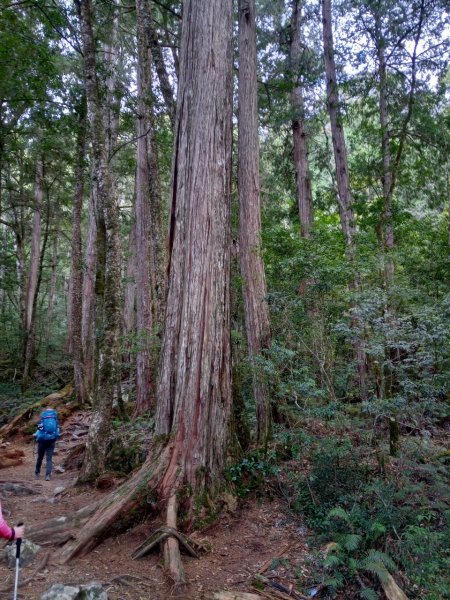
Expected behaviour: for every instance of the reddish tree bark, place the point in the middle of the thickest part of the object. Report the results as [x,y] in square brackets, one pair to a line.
[256,311]
[194,390]
[144,384]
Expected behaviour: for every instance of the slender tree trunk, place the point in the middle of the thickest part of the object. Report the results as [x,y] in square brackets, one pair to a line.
[33,273]
[391,165]
[76,271]
[88,300]
[256,311]
[343,185]
[194,389]
[52,290]
[158,253]
[111,108]
[129,308]
[337,134]
[108,272]
[144,384]
[163,76]
[386,179]
[301,163]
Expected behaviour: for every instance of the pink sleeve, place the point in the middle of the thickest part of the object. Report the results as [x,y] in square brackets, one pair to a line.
[5,530]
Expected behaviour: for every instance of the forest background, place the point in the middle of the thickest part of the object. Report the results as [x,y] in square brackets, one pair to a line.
[342,245]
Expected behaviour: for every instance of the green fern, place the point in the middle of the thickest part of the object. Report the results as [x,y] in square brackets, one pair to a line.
[373,567]
[368,594]
[333,582]
[377,530]
[339,513]
[383,558]
[332,560]
[350,541]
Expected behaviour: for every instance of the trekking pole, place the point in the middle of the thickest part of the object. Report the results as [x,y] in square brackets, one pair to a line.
[18,544]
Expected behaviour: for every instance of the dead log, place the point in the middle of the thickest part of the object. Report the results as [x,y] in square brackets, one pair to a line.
[6,462]
[391,589]
[10,457]
[53,399]
[11,452]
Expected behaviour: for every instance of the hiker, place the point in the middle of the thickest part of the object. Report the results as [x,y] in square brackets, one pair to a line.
[7,532]
[46,436]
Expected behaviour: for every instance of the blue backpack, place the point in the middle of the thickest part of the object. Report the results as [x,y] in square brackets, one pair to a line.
[48,427]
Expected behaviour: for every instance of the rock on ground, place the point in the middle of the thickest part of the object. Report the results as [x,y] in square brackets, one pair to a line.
[92,591]
[27,553]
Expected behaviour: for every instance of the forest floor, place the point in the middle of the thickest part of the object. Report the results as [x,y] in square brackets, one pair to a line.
[258,536]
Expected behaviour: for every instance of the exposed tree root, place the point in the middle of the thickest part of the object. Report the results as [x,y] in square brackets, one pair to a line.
[121,505]
[172,556]
[159,478]
[159,536]
[54,530]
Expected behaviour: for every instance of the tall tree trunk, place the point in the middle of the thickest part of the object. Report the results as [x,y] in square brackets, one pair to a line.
[343,185]
[337,134]
[144,384]
[129,305]
[391,165]
[163,76]
[301,163]
[256,311]
[52,289]
[108,272]
[33,273]
[386,178]
[88,300]
[111,108]
[194,389]
[158,243]
[76,269]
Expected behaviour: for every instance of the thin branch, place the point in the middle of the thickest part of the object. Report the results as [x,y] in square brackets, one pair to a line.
[75,47]
[162,5]
[116,150]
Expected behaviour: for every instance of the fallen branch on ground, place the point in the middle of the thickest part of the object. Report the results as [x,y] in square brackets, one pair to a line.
[277,589]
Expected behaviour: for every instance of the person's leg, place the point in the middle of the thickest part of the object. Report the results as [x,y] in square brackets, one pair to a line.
[40,457]
[49,455]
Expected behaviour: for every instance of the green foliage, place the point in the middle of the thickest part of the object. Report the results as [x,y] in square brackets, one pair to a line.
[251,474]
[129,444]
[367,519]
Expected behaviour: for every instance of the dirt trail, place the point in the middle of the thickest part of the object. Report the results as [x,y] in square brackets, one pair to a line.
[240,543]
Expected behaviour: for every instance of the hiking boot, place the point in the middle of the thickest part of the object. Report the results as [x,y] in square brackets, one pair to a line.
[36,475]
[47,478]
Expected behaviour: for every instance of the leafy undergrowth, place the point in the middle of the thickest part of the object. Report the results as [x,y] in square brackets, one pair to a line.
[370,513]
[13,401]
